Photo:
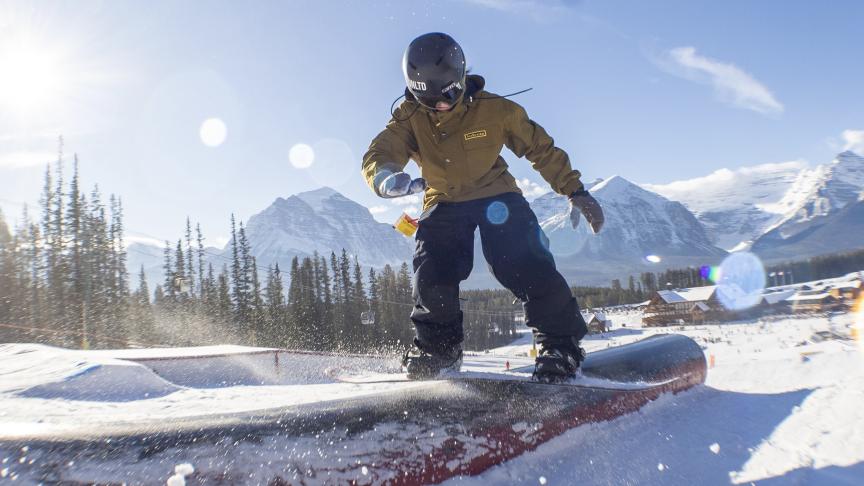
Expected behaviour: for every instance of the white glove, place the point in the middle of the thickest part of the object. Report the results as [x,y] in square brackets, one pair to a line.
[582,203]
[398,184]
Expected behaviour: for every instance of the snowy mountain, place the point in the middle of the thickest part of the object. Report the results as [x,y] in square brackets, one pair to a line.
[762,207]
[639,223]
[323,220]
[736,206]
[790,212]
[815,196]
[839,230]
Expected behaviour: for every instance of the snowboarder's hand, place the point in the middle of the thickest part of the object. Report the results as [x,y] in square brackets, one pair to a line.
[399,184]
[583,203]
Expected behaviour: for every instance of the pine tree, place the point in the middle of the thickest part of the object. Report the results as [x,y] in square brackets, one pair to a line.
[190,268]
[239,279]
[142,295]
[345,329]
[142,312]
[327,327]
[118,250]
[307,323]
[33,264]
[76,229]
[403,296]
[275,307]
[58,280]
[375,309]
[295,306]
[338,308]
[224,306]
[204,287]
[168,272]
[257,316]
[210,297]
[359,305]
[158,296]
[97,266]
[180,273]
[8,271]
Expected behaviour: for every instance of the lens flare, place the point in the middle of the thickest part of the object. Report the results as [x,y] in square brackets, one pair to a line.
[213,132]
[653,259]
[301,156]
[710,273]
[741,281]
[497,212]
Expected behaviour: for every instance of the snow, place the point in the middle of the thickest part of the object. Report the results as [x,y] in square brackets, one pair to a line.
[772,410]
[779,406]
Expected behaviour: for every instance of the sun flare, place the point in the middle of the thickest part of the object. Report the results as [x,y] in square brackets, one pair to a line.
[31,78]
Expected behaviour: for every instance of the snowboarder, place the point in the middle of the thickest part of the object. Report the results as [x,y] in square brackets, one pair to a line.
[455,130]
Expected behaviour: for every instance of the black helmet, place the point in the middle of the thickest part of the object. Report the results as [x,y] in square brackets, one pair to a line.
[434,68]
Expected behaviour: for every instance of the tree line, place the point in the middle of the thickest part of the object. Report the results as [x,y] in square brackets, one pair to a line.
[63,275]
[63,281]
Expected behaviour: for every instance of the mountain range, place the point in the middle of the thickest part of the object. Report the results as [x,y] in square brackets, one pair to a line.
[769,207]
[779,211]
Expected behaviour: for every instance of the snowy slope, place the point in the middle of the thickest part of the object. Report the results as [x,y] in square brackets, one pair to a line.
[735,206]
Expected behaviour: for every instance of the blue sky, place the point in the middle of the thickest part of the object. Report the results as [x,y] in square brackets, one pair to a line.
[652,91]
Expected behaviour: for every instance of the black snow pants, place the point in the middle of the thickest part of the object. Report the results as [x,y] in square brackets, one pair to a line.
[516,250]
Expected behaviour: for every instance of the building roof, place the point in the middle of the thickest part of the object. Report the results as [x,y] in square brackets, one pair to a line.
[854,284]
[801,297]
[772,298]
[591,315]
[695,294]
[702,306]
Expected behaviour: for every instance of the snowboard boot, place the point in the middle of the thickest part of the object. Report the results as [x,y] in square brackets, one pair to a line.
[423,365]
[558,361]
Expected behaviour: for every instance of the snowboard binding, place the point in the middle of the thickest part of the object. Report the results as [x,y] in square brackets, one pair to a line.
[423,365]
[557,363]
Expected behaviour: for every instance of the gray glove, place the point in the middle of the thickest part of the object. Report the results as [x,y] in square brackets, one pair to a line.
[398,184]
[582,203]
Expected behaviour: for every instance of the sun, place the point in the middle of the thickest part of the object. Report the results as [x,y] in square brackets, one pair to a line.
[31,78]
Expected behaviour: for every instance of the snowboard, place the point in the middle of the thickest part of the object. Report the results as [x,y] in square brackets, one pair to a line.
[581,380]
[656,361]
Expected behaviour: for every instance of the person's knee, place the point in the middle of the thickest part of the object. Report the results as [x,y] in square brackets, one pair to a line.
[436,303]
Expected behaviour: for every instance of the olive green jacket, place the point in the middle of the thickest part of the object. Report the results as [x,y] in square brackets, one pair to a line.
[458,151]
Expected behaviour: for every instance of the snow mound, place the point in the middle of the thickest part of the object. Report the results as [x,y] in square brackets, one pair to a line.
[73,375]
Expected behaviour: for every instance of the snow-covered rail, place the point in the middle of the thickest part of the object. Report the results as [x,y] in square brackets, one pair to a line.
[397,433]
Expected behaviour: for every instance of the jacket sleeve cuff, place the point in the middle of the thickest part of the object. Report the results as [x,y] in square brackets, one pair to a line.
[571,187]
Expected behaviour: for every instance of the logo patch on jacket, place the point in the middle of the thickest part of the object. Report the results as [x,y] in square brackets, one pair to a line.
[475,134]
